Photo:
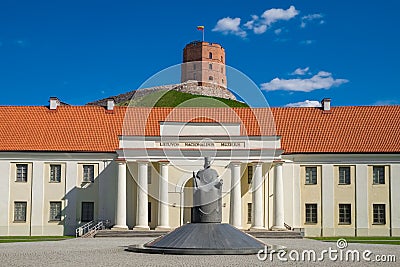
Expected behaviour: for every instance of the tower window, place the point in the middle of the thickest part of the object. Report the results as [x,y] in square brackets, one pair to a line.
[210,55]
[194,76]
[210,78]
[194,66]
[210,66]
[222,69]
[222,59]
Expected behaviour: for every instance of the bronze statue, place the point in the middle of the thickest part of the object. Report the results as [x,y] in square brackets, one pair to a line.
[207,195]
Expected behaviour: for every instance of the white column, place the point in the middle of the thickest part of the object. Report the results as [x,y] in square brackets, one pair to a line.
[257,182]
[236,198]
[163,209]
[120,220]
[142,198]
[279,217]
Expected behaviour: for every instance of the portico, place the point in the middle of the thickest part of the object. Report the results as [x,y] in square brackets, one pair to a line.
[174,158]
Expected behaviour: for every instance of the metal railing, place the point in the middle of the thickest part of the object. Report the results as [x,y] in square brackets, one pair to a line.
[90,229]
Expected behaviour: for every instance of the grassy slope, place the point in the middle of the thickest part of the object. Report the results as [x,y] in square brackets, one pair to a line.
[174,98]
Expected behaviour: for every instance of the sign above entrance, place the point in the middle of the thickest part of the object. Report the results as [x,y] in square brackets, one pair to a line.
[201,144]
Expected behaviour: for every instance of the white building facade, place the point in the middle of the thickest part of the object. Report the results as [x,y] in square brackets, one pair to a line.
[141,179]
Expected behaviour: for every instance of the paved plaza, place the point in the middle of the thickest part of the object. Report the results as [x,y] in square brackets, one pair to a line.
[111,252]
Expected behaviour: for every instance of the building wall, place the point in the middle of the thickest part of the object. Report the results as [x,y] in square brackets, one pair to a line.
[361,193]
[38,191]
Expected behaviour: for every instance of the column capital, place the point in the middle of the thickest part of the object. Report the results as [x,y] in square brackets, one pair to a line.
[120,161]
[278,162]
[143,162]
[235,163]
[163,162]
[256,163]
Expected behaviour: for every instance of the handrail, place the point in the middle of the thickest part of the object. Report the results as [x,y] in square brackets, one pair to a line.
[90,227]
[287,226]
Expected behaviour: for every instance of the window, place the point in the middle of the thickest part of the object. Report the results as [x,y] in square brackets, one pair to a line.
[210,66]
[87,211]
[344,213]
[311,213]
[311,175]
[210,55]
[149,212]
[222,69]
[88,173]
[55,211]
[249,212]
[344,175]
[194,76]
[249,174]
[222,59]
[22,173]
[379,213]
[20,211]
[149,174]
[55,173]
[222,80]
[194,66]
[379,174]
[210,78]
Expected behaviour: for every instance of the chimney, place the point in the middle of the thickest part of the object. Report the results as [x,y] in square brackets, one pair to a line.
[326,104]
[110,104]
[54,103]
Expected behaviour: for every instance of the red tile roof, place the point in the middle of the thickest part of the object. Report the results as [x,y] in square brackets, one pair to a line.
[69,128]
[361,129]
[373,129]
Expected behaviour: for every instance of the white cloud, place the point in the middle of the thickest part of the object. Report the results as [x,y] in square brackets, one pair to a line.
[322,80]
[278,31]
[300,71]
[304,104]
[275,14]
[257,24]
[307,42]
[311,17]
[386,103]
[260,29]
[230,26]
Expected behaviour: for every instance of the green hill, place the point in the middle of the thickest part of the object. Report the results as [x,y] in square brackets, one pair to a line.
[174,98]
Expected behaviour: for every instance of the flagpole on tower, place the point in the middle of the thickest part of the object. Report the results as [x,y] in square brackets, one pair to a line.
[201,28]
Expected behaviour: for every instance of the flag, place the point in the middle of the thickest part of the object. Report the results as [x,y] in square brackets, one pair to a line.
[200,28]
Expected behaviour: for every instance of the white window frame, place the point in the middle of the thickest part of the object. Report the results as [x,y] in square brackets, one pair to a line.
[55,216]
[55,174]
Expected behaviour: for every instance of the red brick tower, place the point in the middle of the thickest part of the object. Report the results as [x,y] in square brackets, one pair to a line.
[204,62]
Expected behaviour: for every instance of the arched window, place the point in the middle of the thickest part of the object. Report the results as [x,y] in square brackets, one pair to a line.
[222,59]
[210,78]
[222,80]
[210,55]
[210,66]
[222,69]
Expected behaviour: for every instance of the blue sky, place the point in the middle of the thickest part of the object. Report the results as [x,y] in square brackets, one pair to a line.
[295,51]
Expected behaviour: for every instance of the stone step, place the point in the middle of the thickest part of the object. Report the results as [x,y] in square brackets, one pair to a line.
[276,234]
[154,233]
[130,233]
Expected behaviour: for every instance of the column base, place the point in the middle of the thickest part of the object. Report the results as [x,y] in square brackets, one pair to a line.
[257,228]
[163,228]
[278,228]
[141,228]
[237,227]
[120,227]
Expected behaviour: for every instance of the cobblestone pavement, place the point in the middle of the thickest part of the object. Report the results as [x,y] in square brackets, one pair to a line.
[111,252]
